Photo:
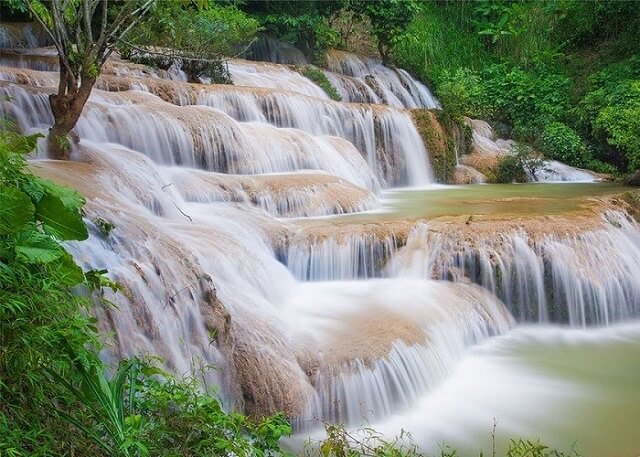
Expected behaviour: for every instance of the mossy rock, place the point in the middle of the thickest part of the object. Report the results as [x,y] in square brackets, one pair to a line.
[436,130]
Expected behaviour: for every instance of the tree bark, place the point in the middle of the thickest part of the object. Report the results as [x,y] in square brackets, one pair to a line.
[66,109]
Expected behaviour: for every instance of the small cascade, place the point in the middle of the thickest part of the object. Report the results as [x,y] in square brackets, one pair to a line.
[487,150]
[41,59]
[368,81]
[588,278]
[385,342]
[261,74]
[353,256]
[302,194]
[22,35]
[554,171]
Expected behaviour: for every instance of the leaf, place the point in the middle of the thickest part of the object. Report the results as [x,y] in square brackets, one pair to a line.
[70,198]
[16,210]
[35,247]
[21,144]
[66,270]
[59,210]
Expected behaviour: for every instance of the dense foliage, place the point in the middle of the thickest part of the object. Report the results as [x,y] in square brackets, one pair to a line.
[196,39]
[561,76]
[56,398]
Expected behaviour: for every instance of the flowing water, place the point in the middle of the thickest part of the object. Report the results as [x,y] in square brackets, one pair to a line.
[299,244]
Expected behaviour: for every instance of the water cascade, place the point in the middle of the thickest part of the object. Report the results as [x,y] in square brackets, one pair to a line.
[247,225]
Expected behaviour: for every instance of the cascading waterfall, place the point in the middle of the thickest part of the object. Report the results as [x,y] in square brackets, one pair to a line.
[224,202]
[581,279]
[368,81]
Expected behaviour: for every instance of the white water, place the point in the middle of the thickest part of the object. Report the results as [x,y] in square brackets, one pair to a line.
[196,183]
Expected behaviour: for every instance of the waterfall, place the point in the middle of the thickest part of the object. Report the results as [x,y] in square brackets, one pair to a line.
[247,225]
[584,278]
[368,81]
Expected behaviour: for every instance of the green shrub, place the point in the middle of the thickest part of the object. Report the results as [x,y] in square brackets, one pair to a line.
[198,38]
[562,143]
[320,79]
[611,109]
[518,166]
[599,166]
[40,315]
[462,92]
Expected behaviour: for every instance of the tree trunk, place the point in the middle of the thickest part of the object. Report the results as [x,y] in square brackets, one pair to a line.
[66,109]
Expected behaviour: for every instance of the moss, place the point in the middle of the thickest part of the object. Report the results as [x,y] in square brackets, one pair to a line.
[436,130]
[631,203]
[320,79]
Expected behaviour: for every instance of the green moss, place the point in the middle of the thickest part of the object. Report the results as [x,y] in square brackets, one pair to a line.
[320,79]
[436,130]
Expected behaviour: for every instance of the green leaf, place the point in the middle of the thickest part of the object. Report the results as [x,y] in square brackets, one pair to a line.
[35,247]
[66,270]
[59,210]
[16,210]
[21,144]
[69,197]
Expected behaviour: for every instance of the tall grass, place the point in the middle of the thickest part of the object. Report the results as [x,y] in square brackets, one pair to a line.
[440,40]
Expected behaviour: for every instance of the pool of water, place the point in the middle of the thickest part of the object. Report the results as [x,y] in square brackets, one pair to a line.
[503,200]
[568,387]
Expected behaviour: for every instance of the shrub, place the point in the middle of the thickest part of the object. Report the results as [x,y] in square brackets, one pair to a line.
[463,93]
[562,143]
[320,79]
[519,166]
[611,109]
[39,313]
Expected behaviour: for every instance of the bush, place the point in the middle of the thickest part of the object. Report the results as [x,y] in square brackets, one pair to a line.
[462,92]
[320,79]
[519,166]
[40,316]
[527,99]
[367,442]
[611,109]
[562,143]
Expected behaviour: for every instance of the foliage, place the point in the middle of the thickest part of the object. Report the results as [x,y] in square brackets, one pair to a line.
[199,40]
[388,19]
[39,314]
[533,448]
[518,166]
[436,130]
[367,442]
[144,411]
[84,33]
[532,66]
[526,99]
[562,143]
[304,24]
[611,109]
[319,78]
[177,419]
[463,93]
